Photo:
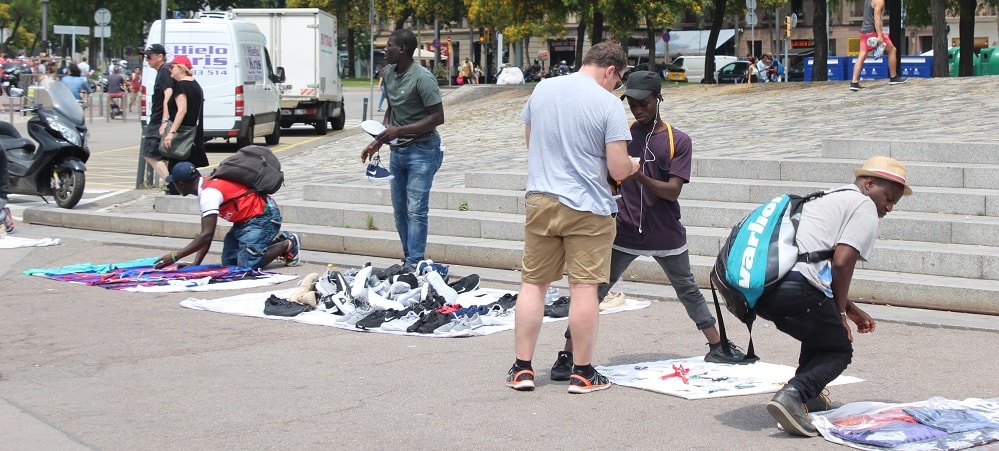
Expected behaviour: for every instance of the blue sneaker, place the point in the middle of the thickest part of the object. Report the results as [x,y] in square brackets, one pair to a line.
[375,172]
[294,257]
[425,266]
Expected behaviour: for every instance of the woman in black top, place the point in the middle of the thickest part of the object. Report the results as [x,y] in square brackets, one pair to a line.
[186,107]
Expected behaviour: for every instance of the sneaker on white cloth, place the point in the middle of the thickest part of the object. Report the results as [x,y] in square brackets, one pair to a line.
[359,289]
[401,324]
[435,280]
[613,299]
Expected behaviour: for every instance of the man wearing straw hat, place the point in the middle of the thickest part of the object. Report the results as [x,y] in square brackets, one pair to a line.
[811,304]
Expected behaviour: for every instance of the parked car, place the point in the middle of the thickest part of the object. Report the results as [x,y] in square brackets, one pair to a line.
[797,71]
[733,72]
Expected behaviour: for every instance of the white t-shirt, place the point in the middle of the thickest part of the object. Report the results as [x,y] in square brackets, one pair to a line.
[846,217]
[572,119]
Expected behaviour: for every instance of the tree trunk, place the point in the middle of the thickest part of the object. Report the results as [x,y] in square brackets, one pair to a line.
[351,53]
[820,70]
[651,36]
[938,11]
[895,31]
[967,28]
[580,39]
[709,55]
[598,28]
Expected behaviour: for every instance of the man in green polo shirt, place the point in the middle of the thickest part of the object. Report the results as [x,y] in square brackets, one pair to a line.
[411,119]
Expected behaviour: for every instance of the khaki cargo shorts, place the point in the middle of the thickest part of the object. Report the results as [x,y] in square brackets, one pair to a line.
[558,238]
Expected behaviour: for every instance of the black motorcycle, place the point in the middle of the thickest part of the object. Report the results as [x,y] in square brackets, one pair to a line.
[56,168]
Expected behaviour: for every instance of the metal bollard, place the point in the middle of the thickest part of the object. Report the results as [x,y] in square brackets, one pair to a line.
[364,115]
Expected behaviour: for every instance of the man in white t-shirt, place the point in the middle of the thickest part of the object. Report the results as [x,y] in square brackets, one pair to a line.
[811,303]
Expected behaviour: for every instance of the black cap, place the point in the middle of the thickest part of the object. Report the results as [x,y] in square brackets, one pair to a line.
[154,48]
[641,84]
[182,172]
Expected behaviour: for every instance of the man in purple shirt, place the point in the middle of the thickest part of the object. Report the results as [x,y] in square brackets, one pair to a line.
[648,220]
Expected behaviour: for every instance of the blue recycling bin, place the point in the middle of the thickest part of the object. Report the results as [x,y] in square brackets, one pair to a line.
[873,69]
[835,68]
[916,66]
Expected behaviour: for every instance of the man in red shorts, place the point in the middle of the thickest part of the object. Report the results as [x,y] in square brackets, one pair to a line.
[871,28]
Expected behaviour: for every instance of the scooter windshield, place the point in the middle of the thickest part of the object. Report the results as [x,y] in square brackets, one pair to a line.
[55,95]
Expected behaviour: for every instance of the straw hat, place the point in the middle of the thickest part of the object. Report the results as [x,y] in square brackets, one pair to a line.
[884,168]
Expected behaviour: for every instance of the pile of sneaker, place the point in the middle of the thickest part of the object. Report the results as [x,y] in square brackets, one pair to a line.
[402,298]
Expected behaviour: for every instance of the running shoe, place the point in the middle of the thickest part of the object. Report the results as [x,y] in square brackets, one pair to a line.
[580,384]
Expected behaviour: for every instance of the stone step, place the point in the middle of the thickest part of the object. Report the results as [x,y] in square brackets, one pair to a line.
[912,151]
[899,225]
[826,171]
[977,262]
[911,290]
[963,201]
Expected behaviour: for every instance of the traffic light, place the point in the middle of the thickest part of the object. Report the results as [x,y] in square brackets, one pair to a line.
[787,26]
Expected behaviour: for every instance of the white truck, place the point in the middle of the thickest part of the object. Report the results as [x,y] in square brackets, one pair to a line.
[304,42]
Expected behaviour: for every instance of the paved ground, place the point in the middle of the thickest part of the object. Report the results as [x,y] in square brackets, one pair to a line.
[83,367]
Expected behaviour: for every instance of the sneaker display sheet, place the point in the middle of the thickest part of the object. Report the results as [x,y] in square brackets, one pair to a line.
[693,378]
[252,304]
[14,242]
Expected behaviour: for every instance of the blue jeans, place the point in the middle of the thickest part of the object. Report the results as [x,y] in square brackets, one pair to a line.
[382,99]
[247,241]
[413,167]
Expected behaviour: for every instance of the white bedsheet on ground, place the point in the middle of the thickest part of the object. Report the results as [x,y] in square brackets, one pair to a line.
[13,242]
[252,304]
[704,379]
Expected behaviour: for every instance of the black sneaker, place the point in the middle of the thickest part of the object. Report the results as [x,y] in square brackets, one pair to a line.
[379,317]
[435,320]
[897,80]
[580,384]
[734,356]
[558,309]
[466,284]
[562,367]
[855,87]
[786,407]
[394,270]
[520,379]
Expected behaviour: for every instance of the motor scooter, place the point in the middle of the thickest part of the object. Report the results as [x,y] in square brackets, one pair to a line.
[56,167]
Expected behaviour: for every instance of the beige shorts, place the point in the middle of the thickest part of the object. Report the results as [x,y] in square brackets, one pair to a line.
[558,238]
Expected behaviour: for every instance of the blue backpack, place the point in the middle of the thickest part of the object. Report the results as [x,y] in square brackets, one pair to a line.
[758,253]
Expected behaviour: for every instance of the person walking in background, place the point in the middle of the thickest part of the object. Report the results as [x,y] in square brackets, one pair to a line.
[162,90]
[467,73]
[414,112]
[478,73]
[569,222]
[811,302]
[871,27]
[762,75]
[186,108]
[381,87]
[134,87]
[648,219]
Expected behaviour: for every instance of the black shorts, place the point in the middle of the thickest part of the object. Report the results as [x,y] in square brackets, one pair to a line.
[151,142]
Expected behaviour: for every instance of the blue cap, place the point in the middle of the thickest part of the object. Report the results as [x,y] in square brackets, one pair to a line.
[183,172]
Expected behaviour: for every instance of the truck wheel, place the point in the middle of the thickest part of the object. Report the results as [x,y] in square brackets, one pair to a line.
[275,137]
[243,141]
[339,122]
[321,126]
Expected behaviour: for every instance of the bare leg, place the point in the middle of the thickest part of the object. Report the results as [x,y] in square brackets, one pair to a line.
[527,318]
[859,64]
[159,166]
[584,311]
